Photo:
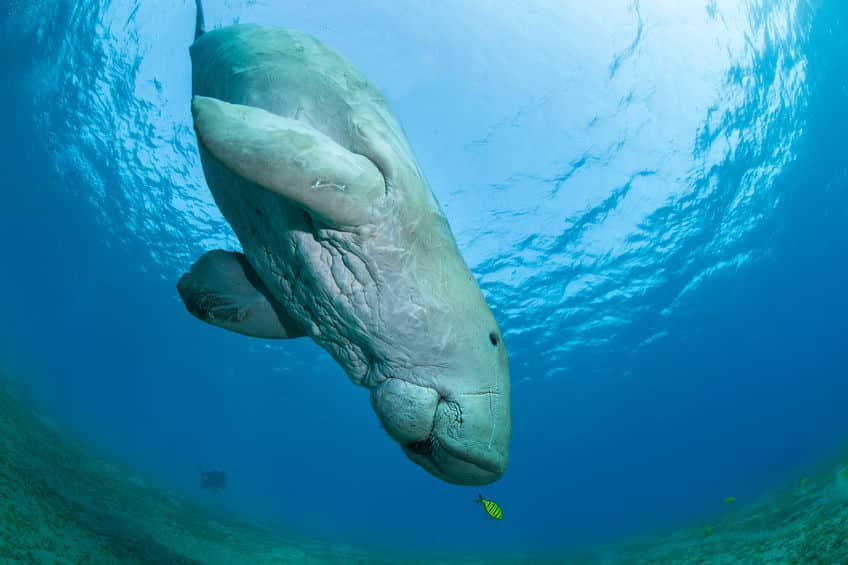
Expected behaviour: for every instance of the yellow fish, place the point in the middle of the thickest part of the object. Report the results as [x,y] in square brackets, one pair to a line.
[492,508]
[730,500]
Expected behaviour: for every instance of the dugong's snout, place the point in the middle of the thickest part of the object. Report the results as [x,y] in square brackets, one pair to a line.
[461,439]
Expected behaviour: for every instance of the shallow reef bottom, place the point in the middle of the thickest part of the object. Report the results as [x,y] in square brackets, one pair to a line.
[62,502]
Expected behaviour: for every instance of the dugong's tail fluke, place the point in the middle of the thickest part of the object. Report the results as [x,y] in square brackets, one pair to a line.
[198,24]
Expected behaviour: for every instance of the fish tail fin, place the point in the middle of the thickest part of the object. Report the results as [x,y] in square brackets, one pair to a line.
[198,22]
[479,498]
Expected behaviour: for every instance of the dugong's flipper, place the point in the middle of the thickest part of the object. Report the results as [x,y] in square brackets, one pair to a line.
[290,158]
[223,290]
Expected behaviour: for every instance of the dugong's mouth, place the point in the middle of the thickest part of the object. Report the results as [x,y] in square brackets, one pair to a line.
[423,447]
[452,438]
[445,454]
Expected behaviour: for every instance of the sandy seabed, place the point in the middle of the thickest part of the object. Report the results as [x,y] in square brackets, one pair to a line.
[63,502]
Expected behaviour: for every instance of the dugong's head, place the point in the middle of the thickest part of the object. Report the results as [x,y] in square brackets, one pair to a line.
[459,433]
[443,389]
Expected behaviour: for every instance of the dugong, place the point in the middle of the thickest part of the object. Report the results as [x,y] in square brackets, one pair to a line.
[343,242]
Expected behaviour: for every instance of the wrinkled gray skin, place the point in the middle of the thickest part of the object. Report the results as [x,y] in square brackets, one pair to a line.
[344,242]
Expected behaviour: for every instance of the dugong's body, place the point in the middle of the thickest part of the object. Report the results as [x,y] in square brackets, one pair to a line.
[344,242]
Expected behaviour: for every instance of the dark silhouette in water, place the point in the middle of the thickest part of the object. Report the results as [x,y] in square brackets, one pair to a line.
[214,479]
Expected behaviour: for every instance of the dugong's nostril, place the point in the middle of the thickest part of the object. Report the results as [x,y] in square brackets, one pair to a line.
[423,447]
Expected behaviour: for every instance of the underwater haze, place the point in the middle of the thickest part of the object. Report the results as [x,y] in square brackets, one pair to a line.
[652,196]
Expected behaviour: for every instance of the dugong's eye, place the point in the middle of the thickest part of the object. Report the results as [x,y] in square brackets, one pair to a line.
[493,337]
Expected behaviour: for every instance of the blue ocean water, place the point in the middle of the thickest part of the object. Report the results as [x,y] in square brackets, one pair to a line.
[651,194]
